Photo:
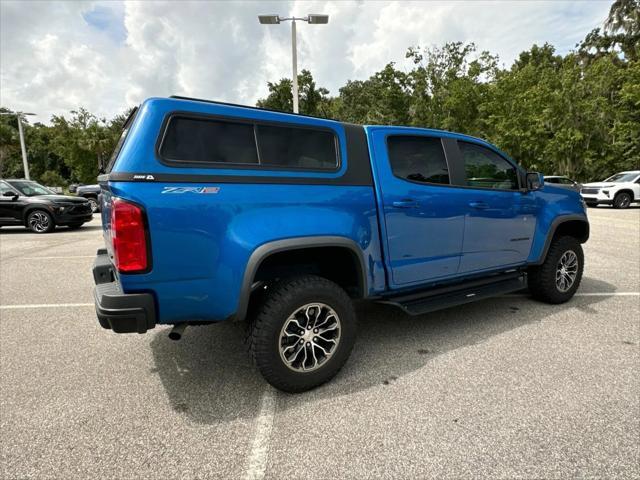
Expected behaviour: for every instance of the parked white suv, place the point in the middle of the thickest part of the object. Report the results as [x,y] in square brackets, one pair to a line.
[620,190]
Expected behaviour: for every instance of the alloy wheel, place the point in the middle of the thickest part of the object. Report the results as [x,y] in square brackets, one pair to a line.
[39,222]
[309,337]
[566,271]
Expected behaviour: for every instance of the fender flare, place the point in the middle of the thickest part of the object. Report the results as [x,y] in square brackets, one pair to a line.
[552,231]
[287,244]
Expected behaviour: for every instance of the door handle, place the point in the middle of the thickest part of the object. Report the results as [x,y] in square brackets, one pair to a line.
[405,203]
[478,205]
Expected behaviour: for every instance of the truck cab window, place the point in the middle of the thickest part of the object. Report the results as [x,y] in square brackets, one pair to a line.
[486,169]
[418,159]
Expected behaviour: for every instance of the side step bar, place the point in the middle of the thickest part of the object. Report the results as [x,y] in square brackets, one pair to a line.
[451,296]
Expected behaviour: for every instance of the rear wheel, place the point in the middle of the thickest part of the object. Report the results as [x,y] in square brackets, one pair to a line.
[303,333]
[622,200]
[39,221]
[558,278]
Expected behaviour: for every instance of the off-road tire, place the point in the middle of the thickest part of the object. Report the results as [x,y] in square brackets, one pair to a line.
[622,200]
[280,301]
[542,279]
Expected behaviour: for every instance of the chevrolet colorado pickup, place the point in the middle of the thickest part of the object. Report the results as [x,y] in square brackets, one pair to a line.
[215,212]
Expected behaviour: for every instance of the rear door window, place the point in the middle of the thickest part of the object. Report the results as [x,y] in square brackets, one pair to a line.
[484,168]
[418,159]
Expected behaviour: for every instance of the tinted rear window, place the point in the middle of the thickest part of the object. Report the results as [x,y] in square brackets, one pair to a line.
[213,141]
[123,137]
[208,141]
[297,147]
[419,159]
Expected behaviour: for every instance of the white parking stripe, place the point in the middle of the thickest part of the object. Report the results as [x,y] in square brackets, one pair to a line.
[587,294]
[57,258]
[612,294]
[45,305]
[259,453]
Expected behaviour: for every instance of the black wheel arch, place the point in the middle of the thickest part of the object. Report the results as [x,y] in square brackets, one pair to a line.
[627,191]
[299,245]
[573,225]
[37,206]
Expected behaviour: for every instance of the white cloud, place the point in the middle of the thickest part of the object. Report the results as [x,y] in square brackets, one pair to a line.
[106,56]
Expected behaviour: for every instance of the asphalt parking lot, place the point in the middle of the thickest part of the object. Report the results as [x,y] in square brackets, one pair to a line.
[502,388]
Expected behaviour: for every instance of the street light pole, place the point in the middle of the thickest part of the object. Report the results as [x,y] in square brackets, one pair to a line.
[294,56]
[25,164]
[23,148]
[275,20]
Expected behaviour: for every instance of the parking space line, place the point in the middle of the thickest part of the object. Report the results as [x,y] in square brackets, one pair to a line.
[45,305]
[57,258]
[608,294]
[587,294]
[259,453]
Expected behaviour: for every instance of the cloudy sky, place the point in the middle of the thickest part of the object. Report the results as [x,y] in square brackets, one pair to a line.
[105,56]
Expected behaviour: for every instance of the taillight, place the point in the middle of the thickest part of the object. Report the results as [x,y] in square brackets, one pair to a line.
[128,237]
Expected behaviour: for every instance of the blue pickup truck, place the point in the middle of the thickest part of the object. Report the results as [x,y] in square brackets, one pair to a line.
[215,212]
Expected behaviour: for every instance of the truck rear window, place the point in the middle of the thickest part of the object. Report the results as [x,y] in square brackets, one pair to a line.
[215,141]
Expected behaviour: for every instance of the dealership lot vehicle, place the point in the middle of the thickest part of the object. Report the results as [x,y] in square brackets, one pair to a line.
[289,219]
[24,202]
[563,182]
[91,193]
[619,190]
[502,388]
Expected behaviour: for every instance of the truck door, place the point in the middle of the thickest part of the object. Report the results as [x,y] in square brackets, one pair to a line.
[421,219]
[500,219]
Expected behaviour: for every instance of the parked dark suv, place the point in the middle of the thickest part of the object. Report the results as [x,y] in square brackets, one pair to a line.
[25,202]
[92,194]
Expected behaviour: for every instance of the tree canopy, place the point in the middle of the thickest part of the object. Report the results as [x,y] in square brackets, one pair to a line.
[576,114]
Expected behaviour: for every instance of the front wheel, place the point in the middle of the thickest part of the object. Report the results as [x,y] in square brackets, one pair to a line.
[558,278]
[303,333]
[39,221]
[622,200]
[93,203]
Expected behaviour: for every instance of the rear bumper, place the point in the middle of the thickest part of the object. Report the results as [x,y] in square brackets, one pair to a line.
[116,310]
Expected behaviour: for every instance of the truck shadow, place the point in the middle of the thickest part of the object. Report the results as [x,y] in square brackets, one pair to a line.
[208,377]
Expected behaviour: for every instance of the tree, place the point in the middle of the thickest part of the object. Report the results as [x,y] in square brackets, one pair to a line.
[312,100]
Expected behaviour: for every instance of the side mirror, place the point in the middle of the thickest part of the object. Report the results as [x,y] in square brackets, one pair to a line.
[535,180]
[10,194]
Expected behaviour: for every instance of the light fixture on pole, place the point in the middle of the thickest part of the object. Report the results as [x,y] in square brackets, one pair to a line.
[19,116]
[313,19]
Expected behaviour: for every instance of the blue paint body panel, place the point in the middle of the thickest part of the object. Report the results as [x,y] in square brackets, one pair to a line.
[201,242]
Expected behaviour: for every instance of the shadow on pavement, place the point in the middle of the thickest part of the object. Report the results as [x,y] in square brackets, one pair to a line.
[209,378]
